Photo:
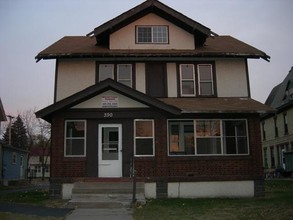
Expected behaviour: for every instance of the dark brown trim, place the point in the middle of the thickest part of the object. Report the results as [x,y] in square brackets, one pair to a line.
[56,77]
[247,78]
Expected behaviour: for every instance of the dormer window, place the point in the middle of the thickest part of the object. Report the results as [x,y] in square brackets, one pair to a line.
[152,35]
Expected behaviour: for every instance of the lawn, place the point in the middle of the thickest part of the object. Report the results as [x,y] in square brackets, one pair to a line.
[277,204]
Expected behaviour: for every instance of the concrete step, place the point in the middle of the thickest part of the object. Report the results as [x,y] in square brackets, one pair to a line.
[105,194]
[106,188]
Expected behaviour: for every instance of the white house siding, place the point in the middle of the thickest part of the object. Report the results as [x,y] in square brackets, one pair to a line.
[232,74]
[128,35]
[74,76]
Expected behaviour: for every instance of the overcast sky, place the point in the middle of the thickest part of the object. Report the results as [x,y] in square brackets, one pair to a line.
[29,26]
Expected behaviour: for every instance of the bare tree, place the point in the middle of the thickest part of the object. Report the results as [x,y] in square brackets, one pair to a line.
[39,135]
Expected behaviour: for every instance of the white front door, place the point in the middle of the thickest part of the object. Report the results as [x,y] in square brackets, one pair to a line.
[110,150]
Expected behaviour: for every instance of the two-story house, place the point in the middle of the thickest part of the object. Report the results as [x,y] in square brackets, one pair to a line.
[159,88]
[277,128]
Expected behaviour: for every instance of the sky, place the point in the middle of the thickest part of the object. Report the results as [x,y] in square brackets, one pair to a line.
[29,26]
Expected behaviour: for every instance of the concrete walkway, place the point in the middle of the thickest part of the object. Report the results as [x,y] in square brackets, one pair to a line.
[103,214]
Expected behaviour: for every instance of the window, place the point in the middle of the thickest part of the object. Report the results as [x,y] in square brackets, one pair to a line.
[14,158]
[75,134]
[187,79]
[205,79]
[263,130]
[144,137]
[106,71]
[196,74]
[272,154]
[152,34]
[124,74]
[181,138]
[208,137]
[276,127]
[285,123]
[235,137]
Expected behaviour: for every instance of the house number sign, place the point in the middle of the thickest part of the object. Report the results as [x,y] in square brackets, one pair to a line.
[110,101]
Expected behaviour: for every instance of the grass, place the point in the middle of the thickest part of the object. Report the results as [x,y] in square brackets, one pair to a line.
[277,204]
[12,216]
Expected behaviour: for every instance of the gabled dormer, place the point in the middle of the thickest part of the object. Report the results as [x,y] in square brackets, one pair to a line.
[151,23]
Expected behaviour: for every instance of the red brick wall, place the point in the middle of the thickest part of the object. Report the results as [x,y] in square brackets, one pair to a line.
[63,167]
[162,166]
[175,168]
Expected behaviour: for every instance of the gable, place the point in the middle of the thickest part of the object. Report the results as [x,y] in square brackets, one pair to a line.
[128,34]
[110,99]
[150,6]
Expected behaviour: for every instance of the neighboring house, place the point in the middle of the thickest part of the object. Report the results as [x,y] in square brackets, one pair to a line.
[14,163]
[39,159]
[277,129]
[2,118]
[156,86]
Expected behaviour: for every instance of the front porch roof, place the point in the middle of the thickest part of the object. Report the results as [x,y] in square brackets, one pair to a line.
[218,105]
[99,88]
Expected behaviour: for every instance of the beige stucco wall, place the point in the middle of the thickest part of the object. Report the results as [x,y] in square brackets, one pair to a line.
[231,74]
[74,76]
[127,33]
[140,77]
[172,80]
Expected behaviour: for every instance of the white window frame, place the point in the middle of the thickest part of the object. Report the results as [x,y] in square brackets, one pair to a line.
[65,138]
[187,80]
[153,137]
[152,27]
[195,138]
[205,81]
[118,78]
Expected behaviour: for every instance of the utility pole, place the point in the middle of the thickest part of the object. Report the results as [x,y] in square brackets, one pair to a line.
[10,119]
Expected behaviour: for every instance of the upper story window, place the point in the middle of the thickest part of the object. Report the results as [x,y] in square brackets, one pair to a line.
[122,73]
[196,79]
[205,79]
[152,34]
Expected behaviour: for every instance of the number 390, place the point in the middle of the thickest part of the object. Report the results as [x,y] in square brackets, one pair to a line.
[108,115]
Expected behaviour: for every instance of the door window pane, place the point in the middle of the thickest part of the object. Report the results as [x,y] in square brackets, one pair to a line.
[110,143]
